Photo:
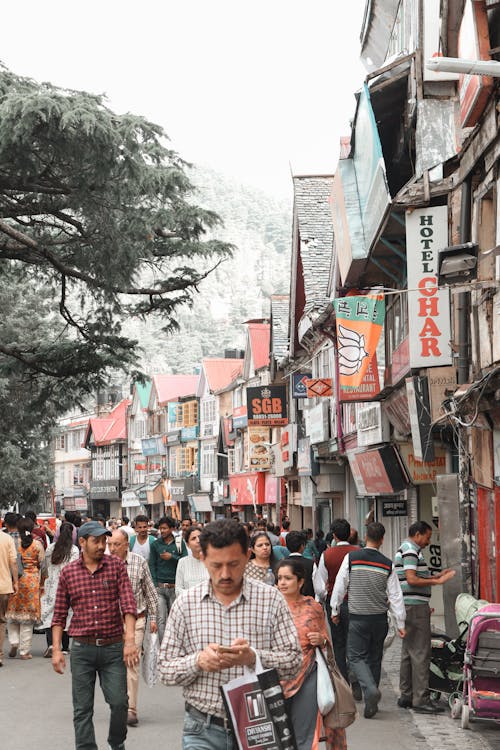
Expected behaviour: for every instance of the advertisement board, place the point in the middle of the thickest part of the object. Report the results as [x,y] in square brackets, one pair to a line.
[259,448]
[266,405]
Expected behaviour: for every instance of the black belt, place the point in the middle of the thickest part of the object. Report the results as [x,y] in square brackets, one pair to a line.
[197,714]
[88,641]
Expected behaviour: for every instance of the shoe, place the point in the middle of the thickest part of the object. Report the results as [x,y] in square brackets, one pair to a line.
[428,708]
[357,693]
[405,702]
[25,656]
[371,704]
[67,653]
[47,654]
[13,652]
[132,719]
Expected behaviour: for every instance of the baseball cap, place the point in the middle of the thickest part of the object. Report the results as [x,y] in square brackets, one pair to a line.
[92,528]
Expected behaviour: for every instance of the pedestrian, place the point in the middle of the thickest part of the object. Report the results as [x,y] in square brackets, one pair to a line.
[23,609]
[217,628]
[285,528]
[186,524]
[140,542]
[324,581]
[146,600]
[190,570]
[301,690]
[373,587]
[166,551]
[416,581]
[275,539]
[262,559]
[296,544]
[98,589]
[8,581]
[58,555]
[320,543]
[38,532]
[127,526]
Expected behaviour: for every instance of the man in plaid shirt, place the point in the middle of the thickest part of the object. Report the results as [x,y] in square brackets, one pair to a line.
[147,604]
[218,627]
[98,589]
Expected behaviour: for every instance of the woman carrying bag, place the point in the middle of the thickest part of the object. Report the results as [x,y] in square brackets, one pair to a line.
[301,691]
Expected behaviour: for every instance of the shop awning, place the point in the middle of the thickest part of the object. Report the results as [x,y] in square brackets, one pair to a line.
[130,497]
[200,503]
[379,471]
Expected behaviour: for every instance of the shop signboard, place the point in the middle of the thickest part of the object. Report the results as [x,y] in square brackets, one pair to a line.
[428,305]
[304,457]
[240,418]
[299,387]
[317,423]
[474,44]
[259,448]
[152,447]
[382,471]
[267,406]
[420,472]
[393,508]
[319,387]
[419,408]
[104,488]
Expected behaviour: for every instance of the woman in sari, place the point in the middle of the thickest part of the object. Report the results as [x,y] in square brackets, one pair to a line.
[300,692]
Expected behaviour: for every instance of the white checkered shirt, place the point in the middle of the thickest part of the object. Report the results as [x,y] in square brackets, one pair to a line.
[259,614]
[143,587]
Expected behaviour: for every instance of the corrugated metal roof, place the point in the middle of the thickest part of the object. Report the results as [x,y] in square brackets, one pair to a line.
[312,196]
[220,371]
[171,387]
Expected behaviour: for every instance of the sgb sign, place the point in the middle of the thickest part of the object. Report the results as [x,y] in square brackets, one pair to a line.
[428,306]
[267,405]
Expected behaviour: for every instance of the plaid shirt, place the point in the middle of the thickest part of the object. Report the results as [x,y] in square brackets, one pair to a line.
[142,585]
[98,600]
[259,614]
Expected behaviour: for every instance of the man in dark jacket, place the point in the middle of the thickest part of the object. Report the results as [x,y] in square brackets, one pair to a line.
[296,543]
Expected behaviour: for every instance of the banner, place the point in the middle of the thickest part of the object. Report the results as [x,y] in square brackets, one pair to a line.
[359,324]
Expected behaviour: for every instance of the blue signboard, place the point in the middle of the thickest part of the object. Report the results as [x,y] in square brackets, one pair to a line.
[299,388]
[189,433]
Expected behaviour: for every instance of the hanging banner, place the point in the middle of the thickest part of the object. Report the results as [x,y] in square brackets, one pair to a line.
[359,324]
[367,389]
[428,306]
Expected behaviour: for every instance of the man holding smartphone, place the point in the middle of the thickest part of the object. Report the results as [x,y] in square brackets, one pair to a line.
[217,628]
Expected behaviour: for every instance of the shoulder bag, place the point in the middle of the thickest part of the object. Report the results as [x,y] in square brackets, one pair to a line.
[343,713]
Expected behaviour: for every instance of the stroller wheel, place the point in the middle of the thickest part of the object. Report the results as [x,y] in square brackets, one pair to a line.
[456,707]
[465,717]
[454,697]
[435,695]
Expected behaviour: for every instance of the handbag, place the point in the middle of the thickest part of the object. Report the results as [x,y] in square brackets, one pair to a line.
[343,713]
[255,706]
[324,687]
[150,658]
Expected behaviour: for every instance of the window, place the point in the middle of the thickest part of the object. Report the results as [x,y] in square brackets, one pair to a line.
[190,414]
[60,442]
[208,459]
[209,411]
[139,428]
[230,461]
[187,460]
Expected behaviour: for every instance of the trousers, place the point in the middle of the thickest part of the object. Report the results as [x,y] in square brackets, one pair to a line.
[365,649]
[4,601]
[21,635]
[133,671]
[166,598]
[201,734]
[416,654]
[87,662]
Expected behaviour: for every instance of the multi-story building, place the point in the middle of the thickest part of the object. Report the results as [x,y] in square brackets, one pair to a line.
[71,464]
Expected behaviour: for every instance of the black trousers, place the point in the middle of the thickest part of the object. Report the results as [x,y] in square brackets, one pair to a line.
[339,636]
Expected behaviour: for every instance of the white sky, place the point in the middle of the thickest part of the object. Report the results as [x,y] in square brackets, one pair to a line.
[246,88]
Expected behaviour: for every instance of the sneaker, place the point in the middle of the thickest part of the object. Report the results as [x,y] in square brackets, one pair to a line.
[405,702]
[357,693]
[47,654]
[132,719]
[371,704]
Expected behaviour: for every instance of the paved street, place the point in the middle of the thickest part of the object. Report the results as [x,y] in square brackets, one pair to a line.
[36,701]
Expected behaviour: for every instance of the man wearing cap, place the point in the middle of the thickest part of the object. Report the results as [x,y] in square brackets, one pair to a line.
[98,590]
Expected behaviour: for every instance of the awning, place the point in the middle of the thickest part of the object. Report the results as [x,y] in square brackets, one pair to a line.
[130,499]
[154,492]
[379,471]
[200,503]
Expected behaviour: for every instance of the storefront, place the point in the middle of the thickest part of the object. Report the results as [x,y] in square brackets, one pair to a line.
[248,494]
[75,498]
[131,501]
[105,498]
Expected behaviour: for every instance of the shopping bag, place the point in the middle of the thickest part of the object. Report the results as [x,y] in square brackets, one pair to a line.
[255,706]
[151,648]
[343,713]
[391,631]
[324,687]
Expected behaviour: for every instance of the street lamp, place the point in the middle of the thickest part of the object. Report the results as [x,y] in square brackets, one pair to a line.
[458,65]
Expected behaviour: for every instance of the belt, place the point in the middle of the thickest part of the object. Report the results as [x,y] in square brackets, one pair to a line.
[197,714]
[166,585]
[88,641]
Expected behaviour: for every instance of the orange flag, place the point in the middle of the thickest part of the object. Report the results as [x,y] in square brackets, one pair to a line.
[359,324]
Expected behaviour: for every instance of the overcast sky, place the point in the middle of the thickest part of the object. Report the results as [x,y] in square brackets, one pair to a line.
[252,89]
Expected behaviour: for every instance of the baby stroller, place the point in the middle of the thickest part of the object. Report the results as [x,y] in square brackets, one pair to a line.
[481,689]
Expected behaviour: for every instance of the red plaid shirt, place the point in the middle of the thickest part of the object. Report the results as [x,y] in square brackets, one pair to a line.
[98,600]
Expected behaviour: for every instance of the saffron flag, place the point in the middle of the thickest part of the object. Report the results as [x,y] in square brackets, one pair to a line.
[359,325]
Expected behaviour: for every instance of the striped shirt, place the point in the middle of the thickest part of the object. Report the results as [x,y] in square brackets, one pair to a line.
[197,618]
[143,587]
[409,557]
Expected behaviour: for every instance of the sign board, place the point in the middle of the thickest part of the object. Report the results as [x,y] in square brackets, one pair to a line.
[382,471]
[304,458]
[396,408]
[317,424]
[420,472]
[356,474]
[441,380]
[299,387]
[240,418]
[104,488]
[391,508]
[267,405]
[288,445]
[428,306]
[259,448]
[367,389]
[319,387]
[474,44]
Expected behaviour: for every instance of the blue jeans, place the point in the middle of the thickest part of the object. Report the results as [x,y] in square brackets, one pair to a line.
[166,598]
[365,649]
[107,662]
[200,734]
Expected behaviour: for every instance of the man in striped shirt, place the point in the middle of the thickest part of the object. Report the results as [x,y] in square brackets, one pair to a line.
[218,627]
[416,581]
[373,588]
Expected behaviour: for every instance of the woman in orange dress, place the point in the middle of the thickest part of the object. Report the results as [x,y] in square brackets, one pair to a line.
[300,692]
[24,607]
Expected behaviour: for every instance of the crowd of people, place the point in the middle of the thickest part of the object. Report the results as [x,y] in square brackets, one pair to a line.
[220,597]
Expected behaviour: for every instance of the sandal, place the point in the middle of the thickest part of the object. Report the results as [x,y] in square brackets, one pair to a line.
[25,656]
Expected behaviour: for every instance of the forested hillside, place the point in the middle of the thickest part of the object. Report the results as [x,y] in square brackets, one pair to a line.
[260,228]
